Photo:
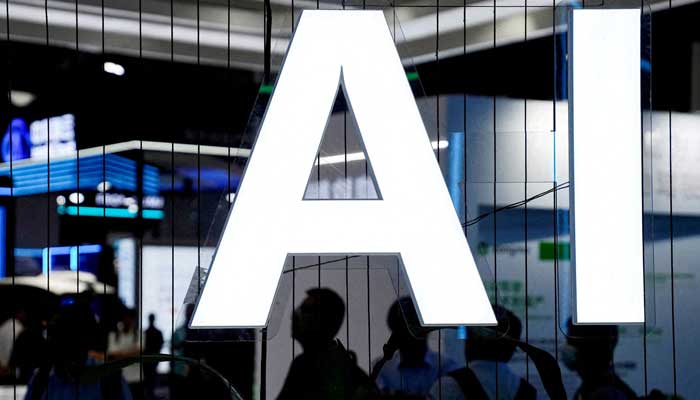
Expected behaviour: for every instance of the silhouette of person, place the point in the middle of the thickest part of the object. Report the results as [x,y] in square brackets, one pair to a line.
[10,329]
[589,351]
[487,374]
[124,343]
[29,351]
[325,370]
[152,345]
[180,371]
[413,369]
[72,334]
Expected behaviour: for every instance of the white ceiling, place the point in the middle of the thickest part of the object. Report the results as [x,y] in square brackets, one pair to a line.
[240,36]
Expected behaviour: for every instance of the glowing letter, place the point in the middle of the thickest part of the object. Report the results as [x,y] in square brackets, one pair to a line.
[606,166]
[270,220]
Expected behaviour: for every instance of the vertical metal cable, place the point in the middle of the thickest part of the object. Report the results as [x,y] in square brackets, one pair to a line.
[268,40]
[369,297]
[651,190]
[263,331]
[437,129]
[8,57]
[294,272]
[369,321]
[554,183]
[104,154]
[318,177]
[230,76]
[347,264]
[263,358]
[495,205]
[402,375]
[464,114]
[670,216]
[495,192]
[139,215]
[48,173]
[437,77]
[77,147]
[199,167]
[464,121]
[398,267]
[229,199]
[172,210]
[527,320]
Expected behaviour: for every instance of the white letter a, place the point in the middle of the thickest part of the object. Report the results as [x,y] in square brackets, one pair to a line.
[414,219]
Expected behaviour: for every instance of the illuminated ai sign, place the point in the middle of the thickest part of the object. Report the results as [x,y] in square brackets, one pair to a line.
[270,220]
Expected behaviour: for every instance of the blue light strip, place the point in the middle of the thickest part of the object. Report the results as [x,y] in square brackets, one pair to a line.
[45,260]
[28,252]
[121,172]
[47,253]
[3,243]
[74,258]
[83,211]
[455,179]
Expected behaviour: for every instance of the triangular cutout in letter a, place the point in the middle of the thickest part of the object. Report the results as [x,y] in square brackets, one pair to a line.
[350,152]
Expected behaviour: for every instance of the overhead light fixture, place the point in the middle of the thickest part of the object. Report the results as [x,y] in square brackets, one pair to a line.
[104,186]
[114,68]
[76,198]
[20,98]
[359,156]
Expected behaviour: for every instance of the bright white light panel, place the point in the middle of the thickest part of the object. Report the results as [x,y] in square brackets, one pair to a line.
[606,166]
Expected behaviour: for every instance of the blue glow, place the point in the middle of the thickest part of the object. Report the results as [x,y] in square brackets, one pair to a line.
[205,179]
[152,214]
[462,332]
[151,180]
[3,243]
[28,252]
[73,258]
[84,211]
[90,248]
[67,301]
[62,175]
[455,179]
[16,135]
[47,254]
[45,260]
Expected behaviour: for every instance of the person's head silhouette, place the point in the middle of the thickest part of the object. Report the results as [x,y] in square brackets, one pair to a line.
[590,348]
[318,319]
[589,351]
[495,343]
[151,319]
[403,320]
[407,334]
[71,335]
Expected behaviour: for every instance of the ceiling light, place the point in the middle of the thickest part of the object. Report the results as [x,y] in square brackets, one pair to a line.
[76,198]
[21,98]
[114,68]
